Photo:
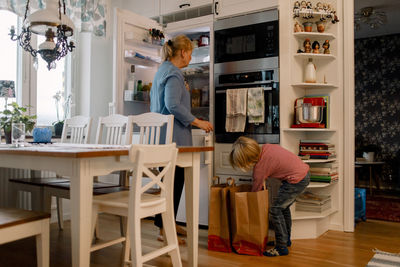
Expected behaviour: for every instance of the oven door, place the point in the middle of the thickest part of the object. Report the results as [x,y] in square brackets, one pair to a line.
[267,132]
[247,37]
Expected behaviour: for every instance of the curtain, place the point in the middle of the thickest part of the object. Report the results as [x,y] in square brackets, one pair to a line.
[87,15]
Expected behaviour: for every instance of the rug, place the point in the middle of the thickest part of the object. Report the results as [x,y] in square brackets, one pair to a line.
[382,208]
[382,259]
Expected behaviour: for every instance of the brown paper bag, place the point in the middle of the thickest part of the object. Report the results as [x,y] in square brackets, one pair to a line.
[218,218]
[249,220]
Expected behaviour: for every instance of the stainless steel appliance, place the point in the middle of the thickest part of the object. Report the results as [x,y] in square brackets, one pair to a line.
[247,37]
[250,73]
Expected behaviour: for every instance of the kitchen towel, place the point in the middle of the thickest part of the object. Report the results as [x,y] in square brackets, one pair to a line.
[236,108]
[255,105]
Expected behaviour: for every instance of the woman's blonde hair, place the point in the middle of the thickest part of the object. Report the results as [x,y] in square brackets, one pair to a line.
[171,48]
[245,153]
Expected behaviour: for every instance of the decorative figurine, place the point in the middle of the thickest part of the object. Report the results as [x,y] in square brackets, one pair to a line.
[334,17]
[303,6]
[326,46]
[315,47]
[319,7]
[309,10]
[307,46]
[310,74]
[296,9]
[297,27]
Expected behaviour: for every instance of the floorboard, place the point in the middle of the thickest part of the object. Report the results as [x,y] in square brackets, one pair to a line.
[333,248]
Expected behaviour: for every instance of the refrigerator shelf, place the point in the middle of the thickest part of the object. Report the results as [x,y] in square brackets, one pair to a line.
[141,61]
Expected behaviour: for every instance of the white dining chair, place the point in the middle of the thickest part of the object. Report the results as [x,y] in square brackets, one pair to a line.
[76,130]
[110,131]
[136,204]
[150,127]
[17,224]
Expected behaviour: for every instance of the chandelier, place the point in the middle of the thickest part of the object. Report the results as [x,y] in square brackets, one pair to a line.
[368,15]
[52,23]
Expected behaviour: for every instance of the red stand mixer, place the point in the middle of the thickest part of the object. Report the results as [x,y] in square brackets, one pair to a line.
[309,112]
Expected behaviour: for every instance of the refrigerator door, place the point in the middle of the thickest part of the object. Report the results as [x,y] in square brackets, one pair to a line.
[200,138]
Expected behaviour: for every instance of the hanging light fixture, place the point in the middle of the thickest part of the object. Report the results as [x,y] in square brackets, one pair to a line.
[52,23]
[368,15]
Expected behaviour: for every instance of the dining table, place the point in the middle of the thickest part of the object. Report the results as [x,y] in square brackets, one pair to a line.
[81,162]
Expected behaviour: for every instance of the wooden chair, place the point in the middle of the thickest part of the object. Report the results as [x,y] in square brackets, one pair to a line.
[136,204]
[18,224]
[110,131]
[150,126]
[77,129]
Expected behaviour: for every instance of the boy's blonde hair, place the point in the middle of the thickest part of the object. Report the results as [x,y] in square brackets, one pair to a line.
[245,153]
[171,47]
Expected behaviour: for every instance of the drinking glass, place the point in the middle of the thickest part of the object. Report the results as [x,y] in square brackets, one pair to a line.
[18,134]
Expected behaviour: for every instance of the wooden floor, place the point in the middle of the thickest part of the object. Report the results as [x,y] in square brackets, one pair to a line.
[331,249]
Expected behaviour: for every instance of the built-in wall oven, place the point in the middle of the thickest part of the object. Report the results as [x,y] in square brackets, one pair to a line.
[246,55]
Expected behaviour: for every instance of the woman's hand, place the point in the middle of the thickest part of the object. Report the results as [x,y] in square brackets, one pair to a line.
[205,125]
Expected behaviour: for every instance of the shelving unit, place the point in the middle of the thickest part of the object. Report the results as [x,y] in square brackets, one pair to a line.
[329,82]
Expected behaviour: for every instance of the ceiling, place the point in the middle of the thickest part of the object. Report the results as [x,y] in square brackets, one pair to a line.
[392,9]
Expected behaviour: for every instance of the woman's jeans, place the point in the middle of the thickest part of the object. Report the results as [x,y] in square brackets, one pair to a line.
[279,212]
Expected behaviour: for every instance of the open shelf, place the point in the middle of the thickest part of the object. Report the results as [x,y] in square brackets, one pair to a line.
[308,130]
[314,35]
[311,161]
[314,55]
[306,215]
[314,85]
[320,184]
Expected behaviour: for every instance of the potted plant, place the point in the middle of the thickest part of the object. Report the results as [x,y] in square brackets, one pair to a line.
[16,114]
[59,124]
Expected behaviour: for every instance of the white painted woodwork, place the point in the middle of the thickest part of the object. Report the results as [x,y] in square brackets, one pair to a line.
[230,8]
[150,125]
[78,129]
[172,6]
[111,129]
[136,204]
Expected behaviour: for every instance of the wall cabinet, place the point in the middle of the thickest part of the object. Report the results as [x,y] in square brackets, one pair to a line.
[172,6]
[226,8]
[148,8]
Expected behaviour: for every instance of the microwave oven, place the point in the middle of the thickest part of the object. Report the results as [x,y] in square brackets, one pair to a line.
[246,37]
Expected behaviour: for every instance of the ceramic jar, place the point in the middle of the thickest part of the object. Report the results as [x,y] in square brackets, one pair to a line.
[307,26]
[320,26]
[310,72]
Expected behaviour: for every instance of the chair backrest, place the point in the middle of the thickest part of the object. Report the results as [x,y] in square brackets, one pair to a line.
[79,128]
[110,130]
[145,159]
[150,124]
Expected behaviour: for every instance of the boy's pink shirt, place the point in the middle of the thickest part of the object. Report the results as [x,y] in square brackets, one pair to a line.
[277,162]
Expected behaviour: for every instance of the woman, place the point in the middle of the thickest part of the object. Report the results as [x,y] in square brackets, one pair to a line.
[169,95]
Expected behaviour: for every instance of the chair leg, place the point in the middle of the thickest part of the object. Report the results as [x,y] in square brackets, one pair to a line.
[122,225]
[60,213]
[94,225]
[171,237]
[135,242]
[43,245]
[127,244]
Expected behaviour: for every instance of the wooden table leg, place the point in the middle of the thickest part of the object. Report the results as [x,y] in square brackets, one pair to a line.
[370,180]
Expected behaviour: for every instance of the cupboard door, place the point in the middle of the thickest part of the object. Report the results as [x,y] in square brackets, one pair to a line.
[172,6]
[148,8]
[226,8]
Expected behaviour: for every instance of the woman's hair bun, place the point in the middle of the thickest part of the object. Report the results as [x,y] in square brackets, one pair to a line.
[169,42]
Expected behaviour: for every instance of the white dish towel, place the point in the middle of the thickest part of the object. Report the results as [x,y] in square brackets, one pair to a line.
[255,105]
[236,108]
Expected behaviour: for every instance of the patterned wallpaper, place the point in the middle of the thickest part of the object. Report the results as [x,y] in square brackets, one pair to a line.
[377,74]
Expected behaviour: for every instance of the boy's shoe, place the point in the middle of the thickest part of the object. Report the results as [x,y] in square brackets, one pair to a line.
[276,251]
[272,243]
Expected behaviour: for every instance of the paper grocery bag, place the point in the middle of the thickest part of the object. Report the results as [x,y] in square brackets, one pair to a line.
[218,219]
[249,220]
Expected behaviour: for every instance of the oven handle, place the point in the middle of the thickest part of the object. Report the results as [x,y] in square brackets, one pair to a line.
[224,90]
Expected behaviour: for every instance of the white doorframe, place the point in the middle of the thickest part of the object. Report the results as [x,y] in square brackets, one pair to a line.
[348,115]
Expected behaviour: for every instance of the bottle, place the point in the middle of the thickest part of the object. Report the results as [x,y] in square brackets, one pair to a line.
[310,73]
[139,89]
[131,79]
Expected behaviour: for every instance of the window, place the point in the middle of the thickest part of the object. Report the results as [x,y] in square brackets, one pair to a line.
[8,53]
[48,84]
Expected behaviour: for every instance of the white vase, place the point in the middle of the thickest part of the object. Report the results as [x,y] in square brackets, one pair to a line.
[310,73]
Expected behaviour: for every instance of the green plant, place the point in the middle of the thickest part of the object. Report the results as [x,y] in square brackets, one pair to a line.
[16,114]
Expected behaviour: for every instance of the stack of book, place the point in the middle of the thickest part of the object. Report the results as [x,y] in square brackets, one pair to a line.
[313,203]
[317,149]
[326,172]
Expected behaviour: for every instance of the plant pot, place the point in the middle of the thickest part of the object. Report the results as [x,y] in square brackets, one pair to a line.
[7,135]
[58,127]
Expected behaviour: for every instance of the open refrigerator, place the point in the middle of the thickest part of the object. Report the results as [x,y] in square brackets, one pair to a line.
[133,46]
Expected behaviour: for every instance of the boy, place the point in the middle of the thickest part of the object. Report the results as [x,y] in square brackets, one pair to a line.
[273,161]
